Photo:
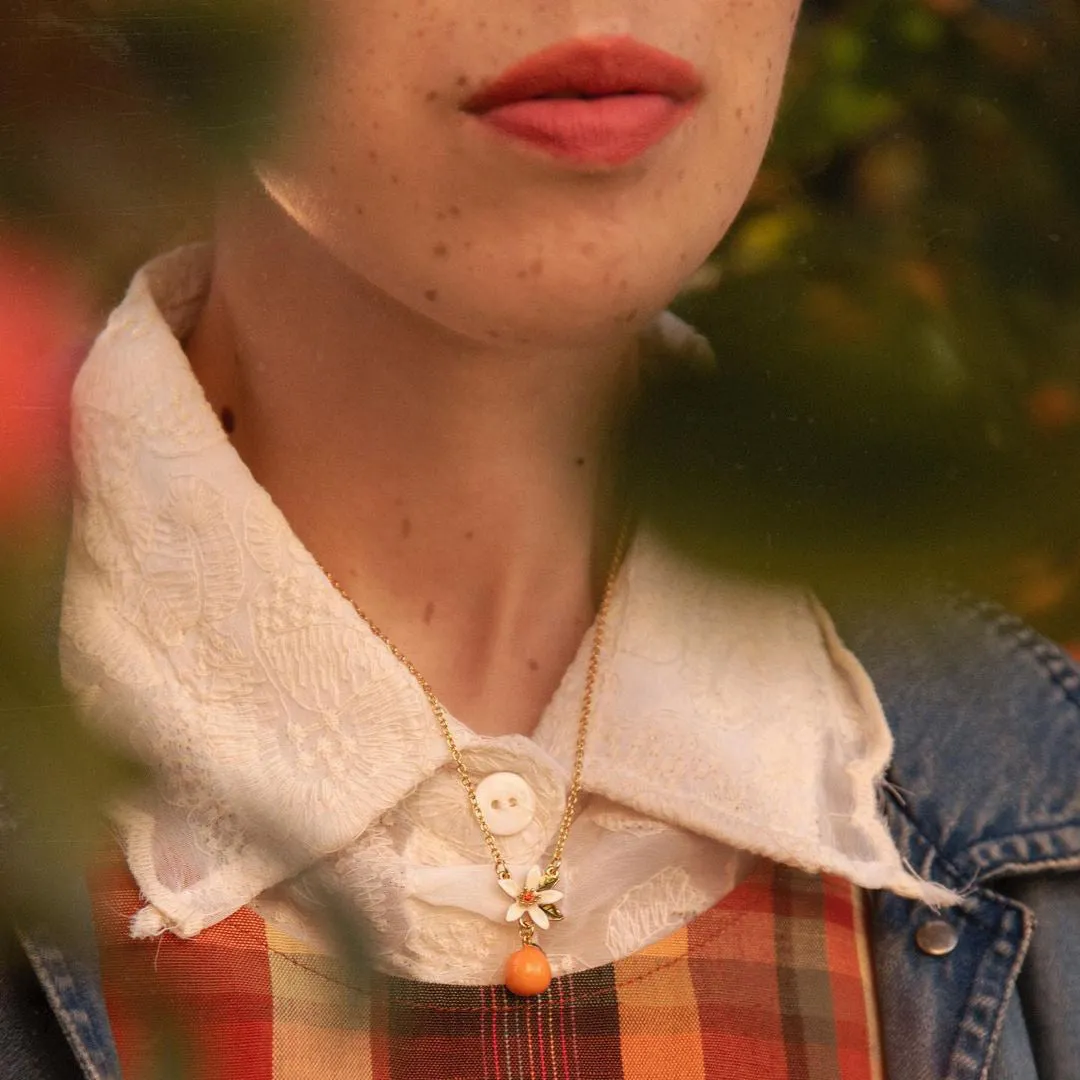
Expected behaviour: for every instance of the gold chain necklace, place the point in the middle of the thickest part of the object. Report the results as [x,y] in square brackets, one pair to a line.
[535,901]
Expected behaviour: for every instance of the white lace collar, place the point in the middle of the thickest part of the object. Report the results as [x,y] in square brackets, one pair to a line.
[198,631]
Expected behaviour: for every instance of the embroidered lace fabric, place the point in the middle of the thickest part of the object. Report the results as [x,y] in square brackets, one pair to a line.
[291,747]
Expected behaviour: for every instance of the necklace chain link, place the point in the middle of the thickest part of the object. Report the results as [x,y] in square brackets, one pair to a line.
[587,697]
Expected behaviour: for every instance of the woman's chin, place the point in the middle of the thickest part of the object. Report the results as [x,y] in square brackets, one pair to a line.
[583,314]
[562,329]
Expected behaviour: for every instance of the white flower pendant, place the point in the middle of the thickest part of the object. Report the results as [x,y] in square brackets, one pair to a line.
[536,898]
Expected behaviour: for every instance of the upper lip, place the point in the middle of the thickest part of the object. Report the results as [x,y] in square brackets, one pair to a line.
[593,67]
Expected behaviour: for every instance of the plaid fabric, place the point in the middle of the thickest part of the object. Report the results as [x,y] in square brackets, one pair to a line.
[771,984]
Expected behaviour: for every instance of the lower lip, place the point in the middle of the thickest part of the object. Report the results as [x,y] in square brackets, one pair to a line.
[607,131]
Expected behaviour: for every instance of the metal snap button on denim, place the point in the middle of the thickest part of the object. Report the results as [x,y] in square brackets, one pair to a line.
[937,937]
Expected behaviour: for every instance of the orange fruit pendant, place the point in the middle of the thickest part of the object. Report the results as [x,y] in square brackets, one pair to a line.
[528,972]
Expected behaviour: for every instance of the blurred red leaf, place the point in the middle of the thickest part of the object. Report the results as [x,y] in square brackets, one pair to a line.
[44,321]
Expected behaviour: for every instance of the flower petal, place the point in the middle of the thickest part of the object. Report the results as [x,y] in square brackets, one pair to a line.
[533,878]
[549,896]
[515,912]
[539,917]
[507,885]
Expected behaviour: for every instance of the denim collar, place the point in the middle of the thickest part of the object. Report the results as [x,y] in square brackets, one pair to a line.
[986,719]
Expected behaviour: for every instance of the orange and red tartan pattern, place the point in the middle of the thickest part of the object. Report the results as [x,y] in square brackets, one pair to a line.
[772,983]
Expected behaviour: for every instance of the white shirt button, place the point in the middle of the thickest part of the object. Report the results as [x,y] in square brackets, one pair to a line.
[507,802]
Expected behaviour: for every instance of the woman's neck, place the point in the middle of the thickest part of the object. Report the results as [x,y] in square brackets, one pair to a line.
[462,494]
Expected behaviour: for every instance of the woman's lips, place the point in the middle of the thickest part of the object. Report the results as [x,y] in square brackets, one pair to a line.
[610,130]
[603,101]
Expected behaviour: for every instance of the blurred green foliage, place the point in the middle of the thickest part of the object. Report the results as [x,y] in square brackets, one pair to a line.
[897,318]
[116,116]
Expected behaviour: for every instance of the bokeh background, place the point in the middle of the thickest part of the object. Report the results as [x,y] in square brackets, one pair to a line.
[896,314]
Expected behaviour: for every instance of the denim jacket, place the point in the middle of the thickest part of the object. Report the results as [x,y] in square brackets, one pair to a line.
[983,796]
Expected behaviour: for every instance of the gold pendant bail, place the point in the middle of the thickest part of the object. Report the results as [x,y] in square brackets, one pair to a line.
[527,929]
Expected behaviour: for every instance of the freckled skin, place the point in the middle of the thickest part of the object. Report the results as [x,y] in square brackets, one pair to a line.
[433,316]
[566,256]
